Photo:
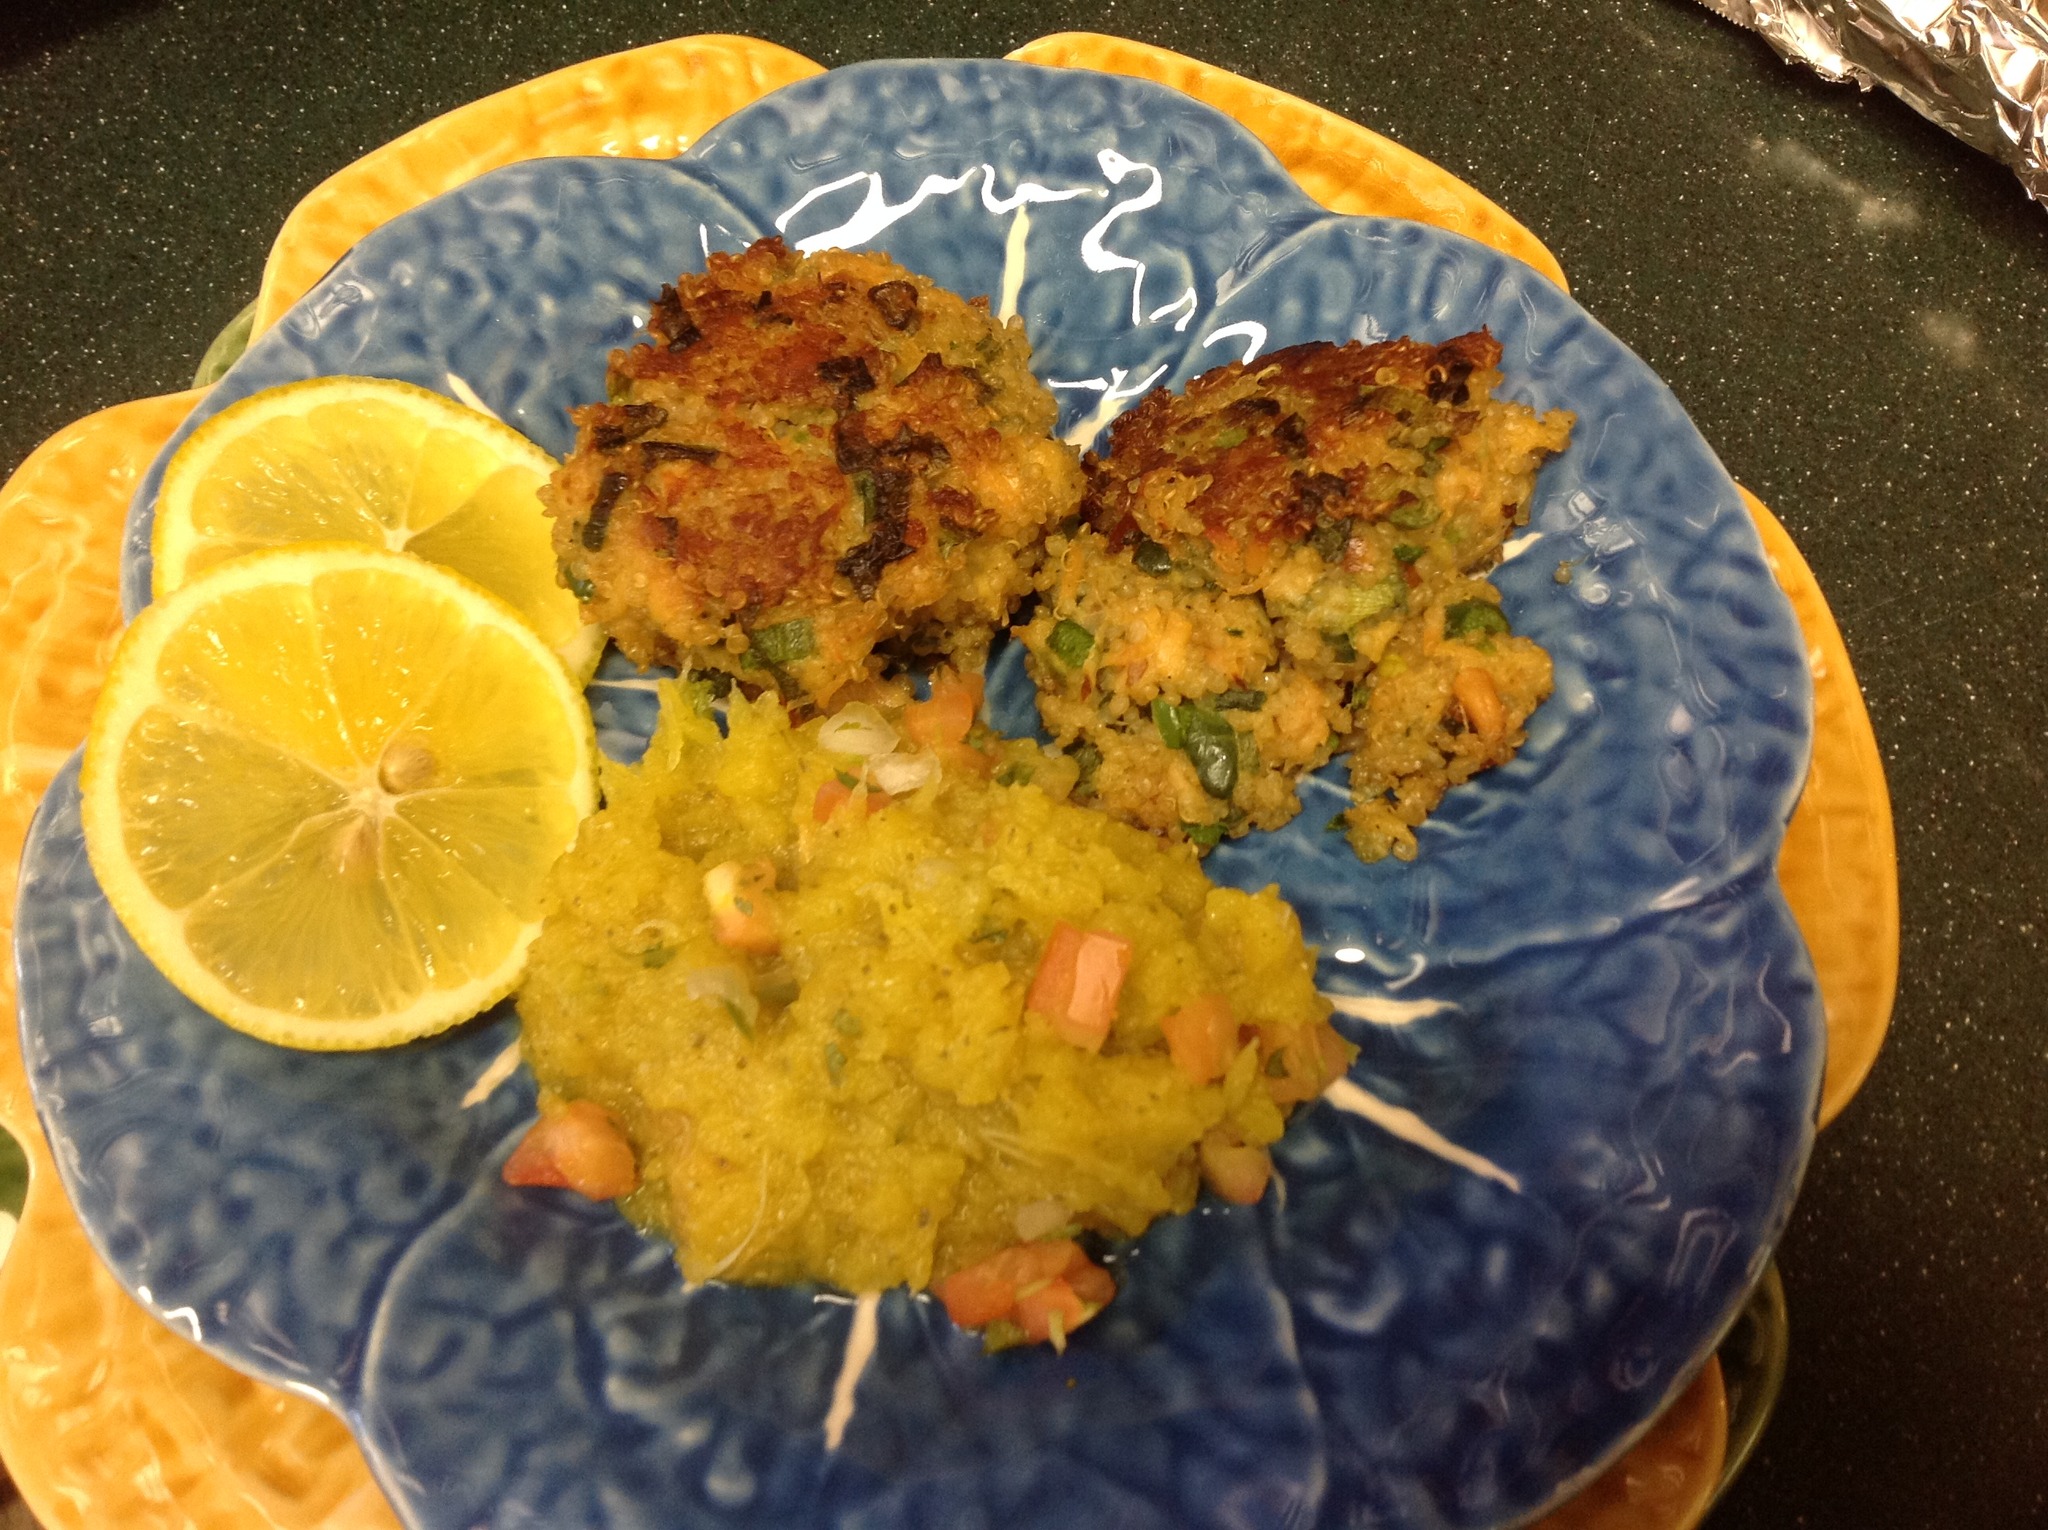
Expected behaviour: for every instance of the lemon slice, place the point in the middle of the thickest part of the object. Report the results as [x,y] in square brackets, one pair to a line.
[380,463]
[323,788]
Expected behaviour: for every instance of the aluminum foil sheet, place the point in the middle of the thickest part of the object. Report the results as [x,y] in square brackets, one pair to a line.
[1977,67]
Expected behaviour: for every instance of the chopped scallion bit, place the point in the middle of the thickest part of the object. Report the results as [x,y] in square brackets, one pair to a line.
[783,643]
[1212,745]
[1166,717]
[1070,643]
[1473,618]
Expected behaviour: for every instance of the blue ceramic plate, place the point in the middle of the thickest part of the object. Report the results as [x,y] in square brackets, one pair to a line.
[1591,1039]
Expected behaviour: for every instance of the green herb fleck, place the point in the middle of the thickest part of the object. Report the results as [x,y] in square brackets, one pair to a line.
[1414,516]
[580,587]
[1436,444]
[1014,774]
[1335,825]
[846,1023]
[864,491]
[783,643]
[1233,436]
[1089,758]
[835,1061]
[657,956]
[1166,717]
[1341,647]
[1212,746]
[1276,1065]
[1207,835]
[1473,618]
[1070,643]
[847,779]
[1407,552]
[1151,557]
[739,1017]
[1241,700]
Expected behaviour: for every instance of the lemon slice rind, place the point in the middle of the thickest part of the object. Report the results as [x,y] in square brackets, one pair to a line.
[134,689]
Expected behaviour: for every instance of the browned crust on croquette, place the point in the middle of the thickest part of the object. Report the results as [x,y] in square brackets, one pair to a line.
[1324,428]
[831,443]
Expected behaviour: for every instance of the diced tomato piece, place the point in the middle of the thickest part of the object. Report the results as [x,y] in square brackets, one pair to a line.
[1079,980]
[977,1295]
[1028,1283]
[1025,1264]
[1092,1283]
[1301,1060]
[1201,1037]
[579,1147]
[832,796]
[1038,1307]
[946,717]
[835,794]
[742,917]
[1235,1170]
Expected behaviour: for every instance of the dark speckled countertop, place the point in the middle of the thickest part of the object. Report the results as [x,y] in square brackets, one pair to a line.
[1853,307]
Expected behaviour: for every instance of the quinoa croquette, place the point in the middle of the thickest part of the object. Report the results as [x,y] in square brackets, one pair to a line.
[811,457]
[1285,563]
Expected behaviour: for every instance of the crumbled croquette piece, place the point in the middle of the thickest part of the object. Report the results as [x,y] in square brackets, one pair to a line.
[1284,563]
[811,456]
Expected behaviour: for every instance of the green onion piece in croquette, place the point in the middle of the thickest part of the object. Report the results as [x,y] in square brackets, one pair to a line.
[1070,643]
[783,643]
[1212,747]
[1473,618]
[1152,557]
[1166,718]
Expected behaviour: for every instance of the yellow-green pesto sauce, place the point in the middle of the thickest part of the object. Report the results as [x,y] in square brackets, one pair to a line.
[871,1104]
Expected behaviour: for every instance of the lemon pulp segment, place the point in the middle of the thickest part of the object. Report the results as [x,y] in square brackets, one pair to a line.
[377,463]
[324,787]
